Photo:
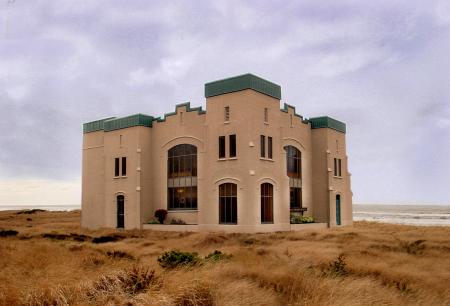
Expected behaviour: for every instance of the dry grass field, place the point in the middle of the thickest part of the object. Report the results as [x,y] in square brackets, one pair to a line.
[52,261]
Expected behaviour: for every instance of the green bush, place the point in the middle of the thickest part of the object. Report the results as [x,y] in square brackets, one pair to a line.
[153,222]
[217,255]
[297,219]
[175,259]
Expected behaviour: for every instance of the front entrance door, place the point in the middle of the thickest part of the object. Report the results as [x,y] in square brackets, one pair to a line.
[120,211]
[338,209]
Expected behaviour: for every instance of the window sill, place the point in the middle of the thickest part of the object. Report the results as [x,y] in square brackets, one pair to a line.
[226,122]
[266,123]
[119,177]
[227,223]
[266,159]
[338,177]
[175,210]
[266,222]
[225,159]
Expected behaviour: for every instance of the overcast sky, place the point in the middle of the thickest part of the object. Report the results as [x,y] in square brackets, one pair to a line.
[382,67]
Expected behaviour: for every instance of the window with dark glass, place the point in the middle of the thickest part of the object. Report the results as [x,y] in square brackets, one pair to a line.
[116,166]
[339,167]
[182,177]
[295,198]
[269,147]
[335,167]
[232,145]
[228,203]
[124,166]
[221,146]
[266,203]
[293,162]
[262,144]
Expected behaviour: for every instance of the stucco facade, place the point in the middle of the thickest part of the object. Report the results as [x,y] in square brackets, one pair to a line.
[213,192]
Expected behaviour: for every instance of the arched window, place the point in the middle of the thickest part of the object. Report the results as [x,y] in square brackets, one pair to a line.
[182,177]
[228,203]
[294,172]
[120,211]
[266,203]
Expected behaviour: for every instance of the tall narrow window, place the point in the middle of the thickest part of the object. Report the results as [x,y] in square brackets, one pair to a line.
[292,123]
[124,166]
[266,203]
[340,168]
[294,173]
[227,114]
[228,203]
[335,167]
[116,166]
[295,198]
[232,145]
[266,115]
[263,145]
[269,147]
[182,177]
[221,146]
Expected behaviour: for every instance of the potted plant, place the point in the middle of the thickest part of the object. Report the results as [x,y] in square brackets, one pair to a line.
[161,214]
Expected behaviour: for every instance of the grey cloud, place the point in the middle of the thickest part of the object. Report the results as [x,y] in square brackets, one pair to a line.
[381,67]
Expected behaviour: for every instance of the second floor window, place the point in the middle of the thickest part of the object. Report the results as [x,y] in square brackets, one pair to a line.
[269,147]
[221,146]
[263,145]
[232,145]
[337,167]
[118,168]
[294,161]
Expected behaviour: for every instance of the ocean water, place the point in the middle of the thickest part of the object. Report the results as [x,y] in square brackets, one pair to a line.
[424,215]
[44,207]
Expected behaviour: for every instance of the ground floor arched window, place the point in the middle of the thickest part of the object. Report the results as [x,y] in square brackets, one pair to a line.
[266,203]
[228,203]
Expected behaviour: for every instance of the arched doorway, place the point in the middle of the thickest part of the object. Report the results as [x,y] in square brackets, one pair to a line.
[338,209]
[120,211]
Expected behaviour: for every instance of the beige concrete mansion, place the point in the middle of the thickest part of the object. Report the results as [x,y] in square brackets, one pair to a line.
[242,165]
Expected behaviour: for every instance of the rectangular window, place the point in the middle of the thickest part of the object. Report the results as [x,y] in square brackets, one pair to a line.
[266,114]
[116,166]
[124,166]
[269,147]
[335,167]
[227,113]
[263,145]
[232,145]
[340,164]
[221,146]
[295,198]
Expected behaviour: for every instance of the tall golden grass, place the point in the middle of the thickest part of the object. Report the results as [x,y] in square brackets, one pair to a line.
[52,261]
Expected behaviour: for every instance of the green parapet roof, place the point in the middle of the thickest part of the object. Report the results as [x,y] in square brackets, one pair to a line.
[327,122]
[129,121]
[94,126]
[242,82]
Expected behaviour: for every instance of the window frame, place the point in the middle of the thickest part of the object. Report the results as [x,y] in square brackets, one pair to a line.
[222,147]
[116,167]
[269,147]
[233,146]
[226,199]
[262,144]
[266,198]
